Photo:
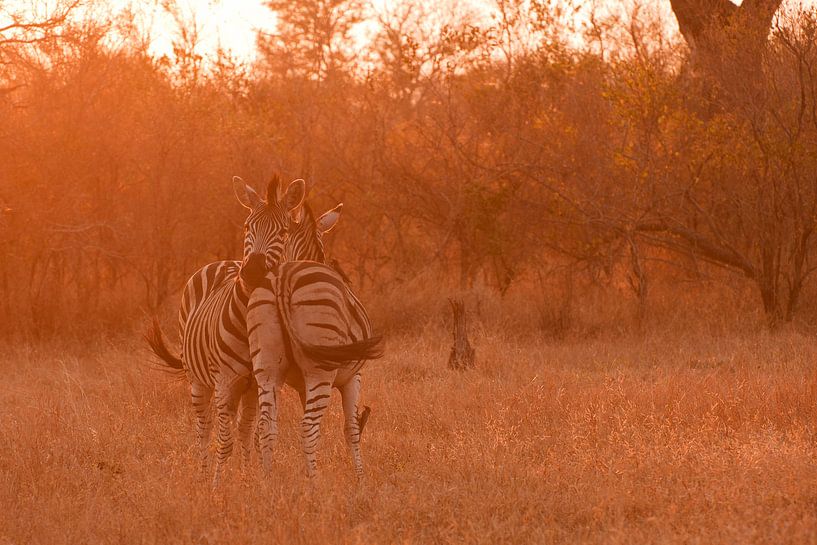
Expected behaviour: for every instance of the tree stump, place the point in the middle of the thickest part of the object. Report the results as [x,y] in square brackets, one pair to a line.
[462,353]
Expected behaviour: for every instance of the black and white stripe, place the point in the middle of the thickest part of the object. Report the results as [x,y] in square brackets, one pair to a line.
[306,237]
[308,329]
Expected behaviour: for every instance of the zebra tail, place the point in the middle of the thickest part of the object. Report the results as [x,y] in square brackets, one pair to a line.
[345,355]
[156,339]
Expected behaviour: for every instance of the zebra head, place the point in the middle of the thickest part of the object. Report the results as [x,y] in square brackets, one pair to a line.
[306,238]
[267,227]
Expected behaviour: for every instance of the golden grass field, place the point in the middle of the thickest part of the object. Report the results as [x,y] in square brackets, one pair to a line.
[644,439]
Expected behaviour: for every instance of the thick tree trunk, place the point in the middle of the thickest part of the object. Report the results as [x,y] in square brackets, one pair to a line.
[704,23]
[726,41]
[462,353]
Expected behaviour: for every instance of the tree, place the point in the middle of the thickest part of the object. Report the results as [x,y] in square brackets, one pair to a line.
[744,194]
[313,38]
[726,41]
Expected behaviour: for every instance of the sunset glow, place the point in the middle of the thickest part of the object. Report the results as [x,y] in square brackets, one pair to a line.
[231,26]
[408,272]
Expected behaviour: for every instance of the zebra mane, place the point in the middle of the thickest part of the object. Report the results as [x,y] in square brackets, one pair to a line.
[306,223]
[273,188]
[307,217]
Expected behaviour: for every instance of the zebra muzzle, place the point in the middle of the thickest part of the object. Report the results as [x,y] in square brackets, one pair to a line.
[253,270]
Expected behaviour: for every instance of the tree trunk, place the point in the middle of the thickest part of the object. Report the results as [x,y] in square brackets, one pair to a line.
[726,41]
[705,23]
[638,279]
[462,354]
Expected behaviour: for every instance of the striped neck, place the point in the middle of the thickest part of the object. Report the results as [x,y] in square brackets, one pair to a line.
[304,242]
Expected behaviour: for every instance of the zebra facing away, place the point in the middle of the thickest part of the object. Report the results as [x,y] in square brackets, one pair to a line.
[215,352]
[307,328]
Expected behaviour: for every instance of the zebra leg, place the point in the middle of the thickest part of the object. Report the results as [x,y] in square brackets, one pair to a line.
[350,394]
[269,362]
[227,398]
[201,395]
[246,421]
[269,390]
[318,390]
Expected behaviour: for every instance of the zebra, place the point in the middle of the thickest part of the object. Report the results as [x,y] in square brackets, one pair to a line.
[307,329]
[215,353]
[305,242]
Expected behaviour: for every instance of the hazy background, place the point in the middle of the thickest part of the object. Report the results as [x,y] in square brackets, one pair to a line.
[569,167]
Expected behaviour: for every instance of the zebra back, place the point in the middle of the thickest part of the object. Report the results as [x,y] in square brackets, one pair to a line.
[323,316]
[203,282]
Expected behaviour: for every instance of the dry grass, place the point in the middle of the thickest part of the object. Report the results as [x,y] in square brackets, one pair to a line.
[649,440]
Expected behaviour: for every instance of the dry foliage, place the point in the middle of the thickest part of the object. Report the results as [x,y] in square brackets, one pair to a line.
[474,152]
[694,439]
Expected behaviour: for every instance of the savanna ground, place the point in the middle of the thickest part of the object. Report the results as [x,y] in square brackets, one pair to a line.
[651,438]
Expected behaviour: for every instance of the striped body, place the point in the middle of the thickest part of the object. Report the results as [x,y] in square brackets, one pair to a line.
[206,294]
[215,352]
[307,329]
[320,307]
[216,356]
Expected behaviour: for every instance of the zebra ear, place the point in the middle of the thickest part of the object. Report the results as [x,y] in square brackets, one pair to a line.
[294,196]
[245,194]
[329,219]
[298,214]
